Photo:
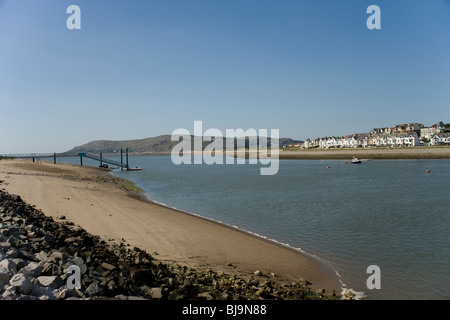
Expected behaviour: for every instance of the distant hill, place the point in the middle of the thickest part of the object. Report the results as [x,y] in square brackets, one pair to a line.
[159,144]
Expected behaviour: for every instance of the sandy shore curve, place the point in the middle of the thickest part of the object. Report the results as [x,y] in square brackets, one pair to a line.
[95,200]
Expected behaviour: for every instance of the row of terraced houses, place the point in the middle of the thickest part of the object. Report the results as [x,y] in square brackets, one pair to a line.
[401,135]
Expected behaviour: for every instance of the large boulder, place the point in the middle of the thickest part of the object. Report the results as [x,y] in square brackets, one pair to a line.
[5,275]
[8,264]
[33,269]
[21,283]
[52,282]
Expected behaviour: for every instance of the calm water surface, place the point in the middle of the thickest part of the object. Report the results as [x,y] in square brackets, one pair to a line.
[389,213]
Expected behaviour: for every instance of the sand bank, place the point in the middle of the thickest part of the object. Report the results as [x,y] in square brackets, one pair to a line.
[95,200]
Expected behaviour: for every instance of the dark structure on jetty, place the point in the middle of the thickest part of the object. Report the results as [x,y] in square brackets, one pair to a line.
[103,161]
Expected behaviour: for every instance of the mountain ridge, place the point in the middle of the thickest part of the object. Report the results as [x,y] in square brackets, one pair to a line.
[158,144]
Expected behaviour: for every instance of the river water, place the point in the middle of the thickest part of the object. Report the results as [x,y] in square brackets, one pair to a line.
[388,213]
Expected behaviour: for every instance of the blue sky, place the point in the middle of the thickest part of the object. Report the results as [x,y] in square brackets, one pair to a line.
[138,69]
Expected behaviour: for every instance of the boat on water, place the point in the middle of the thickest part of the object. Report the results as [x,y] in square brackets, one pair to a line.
[134,169]
[354,161]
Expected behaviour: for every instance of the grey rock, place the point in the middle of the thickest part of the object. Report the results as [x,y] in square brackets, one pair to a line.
[31,228]
[33,269]
[78,261]
[258,273]
[266,283]
[94,289]
[41,256]
[26,297]
[16,198]
[71,240]
[136,298]
[14,242]
[40,291]
[108,266]
[8,265]
[187,282]
[5,245]
[21,283]
[205,295]
[26,255]
[65,294]
[12,253]
[49,239]
[52,282]
[154,293]
[5,276]
[261,292]
[20,263]
[9,295]
[50,269]
[59,255]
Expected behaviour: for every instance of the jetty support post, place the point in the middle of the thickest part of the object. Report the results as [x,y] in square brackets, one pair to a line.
[127,159]
[101,160]
[121,159]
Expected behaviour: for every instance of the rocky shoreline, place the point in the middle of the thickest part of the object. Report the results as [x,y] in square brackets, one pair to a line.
[36,252]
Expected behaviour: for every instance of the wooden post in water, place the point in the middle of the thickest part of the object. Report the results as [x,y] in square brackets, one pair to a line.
[81,160]
[101,160]
[54,157]
[121,159]
[33,159]
[127,160]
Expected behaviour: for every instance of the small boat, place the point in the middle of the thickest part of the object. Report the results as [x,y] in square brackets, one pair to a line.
[134,169]
[354,161]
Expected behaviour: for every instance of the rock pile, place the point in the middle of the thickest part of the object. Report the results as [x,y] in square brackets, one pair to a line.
[36,252]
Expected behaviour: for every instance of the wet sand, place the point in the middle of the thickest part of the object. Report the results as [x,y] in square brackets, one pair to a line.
[98,202]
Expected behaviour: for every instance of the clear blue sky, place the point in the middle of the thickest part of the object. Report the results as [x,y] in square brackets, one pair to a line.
[138,69]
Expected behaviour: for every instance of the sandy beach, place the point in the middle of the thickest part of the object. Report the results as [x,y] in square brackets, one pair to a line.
[98,202]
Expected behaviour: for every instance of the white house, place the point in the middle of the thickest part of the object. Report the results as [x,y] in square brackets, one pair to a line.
[440,139]
[407,139]
[386,138]
[427,133]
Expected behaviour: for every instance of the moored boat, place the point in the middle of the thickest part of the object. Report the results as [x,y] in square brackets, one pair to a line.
[354,161]
[134,169]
